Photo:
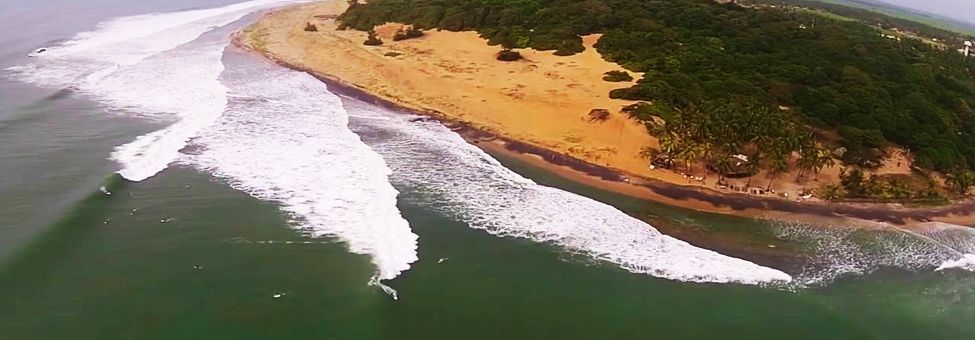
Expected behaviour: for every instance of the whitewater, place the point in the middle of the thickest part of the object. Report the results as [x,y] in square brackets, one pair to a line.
[276,134]
[466,183]
[279,135]
[853,250]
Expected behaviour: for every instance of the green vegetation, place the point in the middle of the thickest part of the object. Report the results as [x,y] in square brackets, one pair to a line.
[726,79]
[509,55]
[617,76]
[886,18]
[855,184]
[961,182]
[407,33]
[721,129]
[598,115]
[907,14]
[372,39]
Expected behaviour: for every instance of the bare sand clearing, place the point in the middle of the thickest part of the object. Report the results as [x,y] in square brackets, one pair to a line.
[543,101]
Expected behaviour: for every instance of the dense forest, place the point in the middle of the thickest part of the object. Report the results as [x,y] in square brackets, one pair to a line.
[730,79]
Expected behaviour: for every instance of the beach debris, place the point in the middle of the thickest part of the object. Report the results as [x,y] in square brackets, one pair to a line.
[133,211]
[443,259]
[105,191]
[771,246]
[167,220]
[278,295]
[107,221]
[197,267]
[37,52]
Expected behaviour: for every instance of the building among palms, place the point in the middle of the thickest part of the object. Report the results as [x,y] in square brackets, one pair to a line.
[966,50]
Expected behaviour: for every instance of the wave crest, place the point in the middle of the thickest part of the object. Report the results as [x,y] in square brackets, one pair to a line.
[463,181]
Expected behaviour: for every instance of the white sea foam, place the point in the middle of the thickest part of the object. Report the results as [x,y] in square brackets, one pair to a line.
[127,40]
[285,138]
[966,262]
[464,181]
[834,252]
[152,65]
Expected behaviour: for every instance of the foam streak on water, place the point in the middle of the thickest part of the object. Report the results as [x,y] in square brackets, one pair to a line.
[285,138]
[465,182]
[838,251]
[152,65]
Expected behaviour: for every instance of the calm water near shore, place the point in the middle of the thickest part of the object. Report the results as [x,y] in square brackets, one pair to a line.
[184,255]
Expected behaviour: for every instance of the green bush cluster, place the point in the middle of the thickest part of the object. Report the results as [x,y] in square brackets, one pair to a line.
[508,55]
[617,76]
[408,33]
[372,39]
[856,184]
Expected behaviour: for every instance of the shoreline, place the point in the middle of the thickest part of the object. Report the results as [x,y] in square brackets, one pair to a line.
[641,187]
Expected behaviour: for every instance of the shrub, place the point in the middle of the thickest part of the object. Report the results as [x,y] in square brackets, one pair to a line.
[310,27]
[509,55]
[617,76]
[831,192]
[598,115]
[372,40]
[409,33]
[564,52]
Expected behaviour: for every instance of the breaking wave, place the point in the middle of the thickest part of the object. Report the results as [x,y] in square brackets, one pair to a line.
[468,184]
[153,65]
[274,133]
[839,251]
[285,138]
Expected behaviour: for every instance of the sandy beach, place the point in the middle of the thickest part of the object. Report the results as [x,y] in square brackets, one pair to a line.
[537,110]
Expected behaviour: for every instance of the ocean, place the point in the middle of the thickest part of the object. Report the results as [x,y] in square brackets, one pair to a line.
[156,182]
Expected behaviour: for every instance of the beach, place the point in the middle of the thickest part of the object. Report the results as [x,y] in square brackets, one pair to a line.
[290,195]
[537,110]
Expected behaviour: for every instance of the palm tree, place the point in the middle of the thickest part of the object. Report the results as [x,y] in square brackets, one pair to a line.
[961,181]
[823,160]
[685,152]
[754,165]
[649,153]
[777,165]
[706,152]
[722,164]
[831,192]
